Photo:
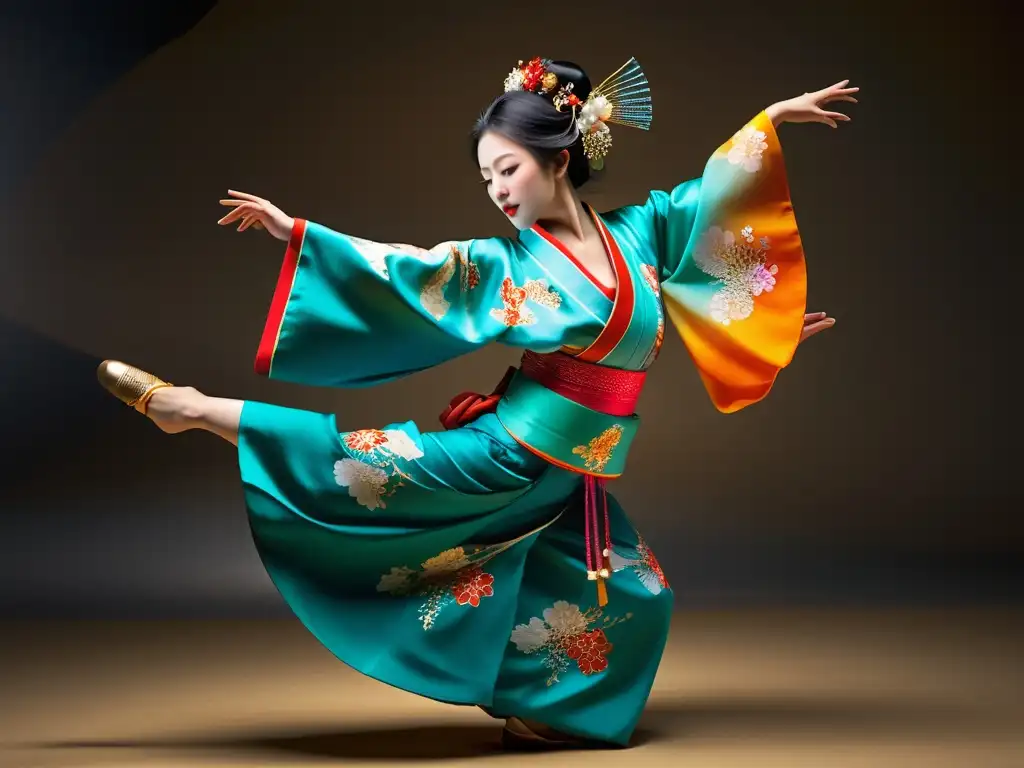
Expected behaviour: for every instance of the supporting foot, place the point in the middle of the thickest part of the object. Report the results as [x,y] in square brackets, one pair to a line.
[525,736]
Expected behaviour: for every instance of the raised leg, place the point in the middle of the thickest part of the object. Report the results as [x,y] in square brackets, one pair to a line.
[173,409]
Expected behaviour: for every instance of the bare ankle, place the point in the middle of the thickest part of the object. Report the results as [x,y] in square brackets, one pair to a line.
[193,409]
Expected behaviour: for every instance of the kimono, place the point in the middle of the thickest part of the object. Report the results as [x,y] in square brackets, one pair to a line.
[450,562]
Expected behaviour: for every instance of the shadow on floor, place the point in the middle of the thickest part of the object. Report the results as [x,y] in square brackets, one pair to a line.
[722,719]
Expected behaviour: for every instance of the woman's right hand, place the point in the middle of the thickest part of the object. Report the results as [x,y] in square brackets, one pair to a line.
[259,213]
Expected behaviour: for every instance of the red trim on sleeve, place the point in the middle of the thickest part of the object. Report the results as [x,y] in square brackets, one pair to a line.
[279,302]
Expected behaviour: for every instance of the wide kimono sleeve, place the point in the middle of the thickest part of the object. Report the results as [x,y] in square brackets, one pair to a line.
[732,268]
[350,312]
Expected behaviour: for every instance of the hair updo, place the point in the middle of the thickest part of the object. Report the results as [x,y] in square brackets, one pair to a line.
[531,120]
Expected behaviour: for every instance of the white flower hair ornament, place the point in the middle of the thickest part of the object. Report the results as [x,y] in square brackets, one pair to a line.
[623,98]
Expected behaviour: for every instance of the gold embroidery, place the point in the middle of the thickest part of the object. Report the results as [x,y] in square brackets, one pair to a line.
[538,291]
[455,575]
[598,452]
[452,576]
[568,634]
[432,294]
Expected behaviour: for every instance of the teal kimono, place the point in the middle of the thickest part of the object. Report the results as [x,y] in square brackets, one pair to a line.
[449,563]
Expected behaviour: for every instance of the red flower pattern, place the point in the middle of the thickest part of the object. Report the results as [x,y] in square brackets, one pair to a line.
[513,299]
[365,440]
[652,562]
[651,276]
[589,650]
[472,585]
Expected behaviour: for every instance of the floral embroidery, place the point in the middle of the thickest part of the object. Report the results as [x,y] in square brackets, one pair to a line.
[741,269]
[452,576]
[470,271]
[651,276]
[432,295]
[644,564]
[748,146]
[598,452]
[659,339]
[369,477]
[514,311]
[566,634]
[375,254]
[411,250]
[364,440]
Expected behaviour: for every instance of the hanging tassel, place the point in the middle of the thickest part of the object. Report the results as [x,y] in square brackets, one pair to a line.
[598,566]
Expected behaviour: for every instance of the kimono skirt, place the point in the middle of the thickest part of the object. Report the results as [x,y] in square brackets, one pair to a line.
[459,564]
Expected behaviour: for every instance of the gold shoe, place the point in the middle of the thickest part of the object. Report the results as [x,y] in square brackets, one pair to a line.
[130,385]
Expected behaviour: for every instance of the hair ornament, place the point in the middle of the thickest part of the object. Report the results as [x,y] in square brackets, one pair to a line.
[623,98]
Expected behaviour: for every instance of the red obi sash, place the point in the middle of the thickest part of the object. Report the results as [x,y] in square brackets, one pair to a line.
[607,390]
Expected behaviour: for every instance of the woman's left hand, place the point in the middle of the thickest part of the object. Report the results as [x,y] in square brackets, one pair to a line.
[815,322]
[808,108]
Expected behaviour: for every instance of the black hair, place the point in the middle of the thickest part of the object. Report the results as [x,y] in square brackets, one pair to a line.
[531,120]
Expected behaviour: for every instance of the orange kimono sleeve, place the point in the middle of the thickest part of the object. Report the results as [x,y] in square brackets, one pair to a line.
[732,266]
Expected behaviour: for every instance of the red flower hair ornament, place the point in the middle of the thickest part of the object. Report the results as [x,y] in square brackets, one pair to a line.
[624,98]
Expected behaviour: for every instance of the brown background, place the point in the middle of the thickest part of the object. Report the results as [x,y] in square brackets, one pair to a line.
[881,466]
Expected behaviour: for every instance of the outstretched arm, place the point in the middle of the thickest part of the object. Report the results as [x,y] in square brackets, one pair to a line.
[731,258]
[351,312]
[808,108]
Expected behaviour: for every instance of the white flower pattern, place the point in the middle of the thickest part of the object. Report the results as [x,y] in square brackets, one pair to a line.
[644,564]
[741,269]
[531,637]
[748,146]
[374,475]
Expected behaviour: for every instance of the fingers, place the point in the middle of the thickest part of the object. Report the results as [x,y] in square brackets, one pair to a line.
[839,90]
[836,116]
[247,221]
[246,196]
[818,327]
[244,209]
[840,87]
[811,317]
[830,118]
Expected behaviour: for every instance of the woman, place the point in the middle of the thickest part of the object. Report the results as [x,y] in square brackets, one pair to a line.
[485,564]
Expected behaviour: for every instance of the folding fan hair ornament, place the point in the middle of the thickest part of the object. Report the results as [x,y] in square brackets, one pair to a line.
[623,98]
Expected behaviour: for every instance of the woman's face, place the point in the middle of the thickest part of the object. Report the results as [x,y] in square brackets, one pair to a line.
[521,187]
